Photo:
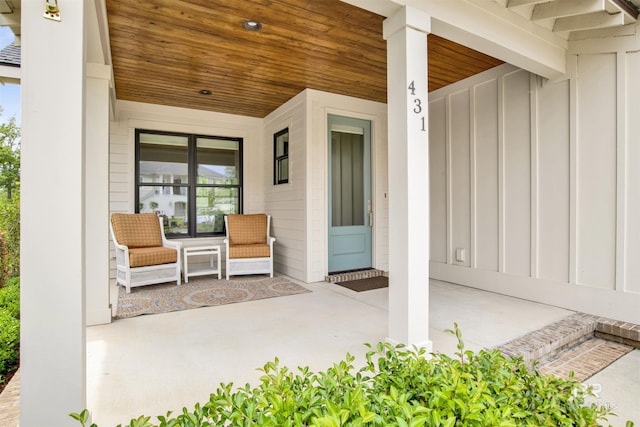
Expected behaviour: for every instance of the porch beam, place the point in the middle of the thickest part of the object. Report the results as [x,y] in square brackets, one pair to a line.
[98,83]
[518,3]
[490,28]
[408,119]
[52,251]
[564,8]
[589,21]
[9,74]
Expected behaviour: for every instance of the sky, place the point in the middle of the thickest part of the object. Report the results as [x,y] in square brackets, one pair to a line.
[9,93]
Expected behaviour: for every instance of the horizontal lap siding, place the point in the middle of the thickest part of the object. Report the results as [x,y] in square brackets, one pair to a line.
[286,202]
[131,115]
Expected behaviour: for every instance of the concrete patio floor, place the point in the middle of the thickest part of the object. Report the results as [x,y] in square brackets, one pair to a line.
[152,364]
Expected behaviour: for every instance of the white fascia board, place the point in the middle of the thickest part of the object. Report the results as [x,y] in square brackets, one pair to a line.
[381,7]
[10,19]
[490,28]
[618,39]
[589,21]
[518,3]
[564,8]
[9,74]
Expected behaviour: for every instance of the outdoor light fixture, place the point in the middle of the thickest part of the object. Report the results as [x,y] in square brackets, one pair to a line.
[204,92]
[252,25]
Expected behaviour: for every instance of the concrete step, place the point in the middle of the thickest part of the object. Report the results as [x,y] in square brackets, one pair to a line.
[553,338]
[584,360]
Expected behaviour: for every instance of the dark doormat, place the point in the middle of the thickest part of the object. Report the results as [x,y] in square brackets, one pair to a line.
[366,284]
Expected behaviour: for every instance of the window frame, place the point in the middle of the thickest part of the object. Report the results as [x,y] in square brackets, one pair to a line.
[277,160]
[192,184]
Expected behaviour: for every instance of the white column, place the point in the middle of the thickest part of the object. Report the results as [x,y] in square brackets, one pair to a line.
[406,35]
[52,216]
[97,194]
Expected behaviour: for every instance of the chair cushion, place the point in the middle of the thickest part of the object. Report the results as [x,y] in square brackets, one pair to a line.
[247,229]
[137,230]
[249,251]
[140,257]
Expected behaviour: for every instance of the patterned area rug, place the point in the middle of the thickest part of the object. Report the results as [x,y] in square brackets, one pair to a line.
[201,292]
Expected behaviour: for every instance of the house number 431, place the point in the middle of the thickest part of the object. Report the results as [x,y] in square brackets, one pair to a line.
[417,104]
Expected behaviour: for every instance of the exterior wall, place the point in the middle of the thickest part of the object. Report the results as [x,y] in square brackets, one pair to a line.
[98,310]
[286,202]
[131,115]
[537,181]
[300,208]
[319,106]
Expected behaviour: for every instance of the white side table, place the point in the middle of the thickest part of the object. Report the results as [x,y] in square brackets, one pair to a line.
[211,251]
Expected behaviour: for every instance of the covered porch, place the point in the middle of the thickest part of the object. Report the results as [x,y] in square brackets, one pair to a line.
[156,363]
[488,183]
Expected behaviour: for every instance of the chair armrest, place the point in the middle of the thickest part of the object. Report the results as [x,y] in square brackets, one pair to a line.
[119,246]
[122,255]
[172,244]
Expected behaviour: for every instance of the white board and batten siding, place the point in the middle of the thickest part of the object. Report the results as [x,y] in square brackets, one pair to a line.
[300,207]
[131,116]
[535,184]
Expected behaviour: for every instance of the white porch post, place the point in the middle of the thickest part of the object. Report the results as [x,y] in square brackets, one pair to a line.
[52,216]
[97,194]
[406,35]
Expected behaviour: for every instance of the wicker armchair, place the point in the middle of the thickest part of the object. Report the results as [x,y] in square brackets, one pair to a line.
[143,254]
[249,245]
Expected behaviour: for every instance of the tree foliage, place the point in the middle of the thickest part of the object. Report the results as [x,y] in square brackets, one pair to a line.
[9,156]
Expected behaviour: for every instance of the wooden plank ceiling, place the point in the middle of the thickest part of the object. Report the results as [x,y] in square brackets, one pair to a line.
[166,51]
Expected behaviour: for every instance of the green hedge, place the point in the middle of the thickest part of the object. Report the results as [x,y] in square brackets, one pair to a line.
[10,228]
[397,387]
[9,327]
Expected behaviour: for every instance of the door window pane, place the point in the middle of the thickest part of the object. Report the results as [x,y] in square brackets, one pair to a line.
[347,179]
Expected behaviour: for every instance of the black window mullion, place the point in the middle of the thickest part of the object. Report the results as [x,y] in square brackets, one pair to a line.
[240,176]
[193,175]
[192,185]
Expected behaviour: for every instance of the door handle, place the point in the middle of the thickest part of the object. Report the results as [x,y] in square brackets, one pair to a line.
[370,212]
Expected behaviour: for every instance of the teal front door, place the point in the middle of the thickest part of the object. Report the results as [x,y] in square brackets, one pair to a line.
[350,209]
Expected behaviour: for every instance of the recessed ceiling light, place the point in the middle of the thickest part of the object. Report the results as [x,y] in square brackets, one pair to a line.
[204,92]
[252,25]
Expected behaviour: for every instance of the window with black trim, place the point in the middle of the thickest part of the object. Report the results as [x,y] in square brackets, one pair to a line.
[281,157]
[191,181]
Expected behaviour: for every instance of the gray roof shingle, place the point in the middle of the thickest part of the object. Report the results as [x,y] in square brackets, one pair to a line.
[10,56]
